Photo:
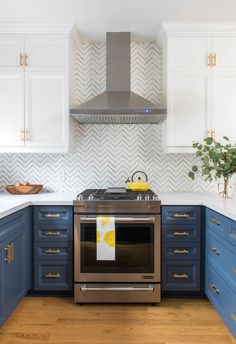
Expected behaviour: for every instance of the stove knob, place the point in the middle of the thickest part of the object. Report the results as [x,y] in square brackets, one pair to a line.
[90,197]
[80,197]
[139,197]
[155,198]
[147,198]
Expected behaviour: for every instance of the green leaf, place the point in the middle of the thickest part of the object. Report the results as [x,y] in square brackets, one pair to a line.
[205,170]
[191,175]
[194,168]
[209,141]
[198,153]
[226,138]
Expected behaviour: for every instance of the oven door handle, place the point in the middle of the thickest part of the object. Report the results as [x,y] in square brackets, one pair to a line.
[121,219]
[149,288]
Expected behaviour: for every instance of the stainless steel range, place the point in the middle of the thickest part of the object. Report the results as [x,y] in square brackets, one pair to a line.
[134,274]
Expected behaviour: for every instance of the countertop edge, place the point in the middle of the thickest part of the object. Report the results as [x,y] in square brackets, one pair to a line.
[226,207]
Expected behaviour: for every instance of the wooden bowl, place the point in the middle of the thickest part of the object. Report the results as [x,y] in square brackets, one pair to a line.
[24,189]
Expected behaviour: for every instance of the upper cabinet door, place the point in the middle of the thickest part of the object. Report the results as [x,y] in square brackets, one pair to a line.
[46,109]
[11,52]
[188,108]
[224,49]
[11,109]
[188,52]
[46,53]
[224,103]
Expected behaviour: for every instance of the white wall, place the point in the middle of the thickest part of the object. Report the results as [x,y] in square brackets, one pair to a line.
[95,17]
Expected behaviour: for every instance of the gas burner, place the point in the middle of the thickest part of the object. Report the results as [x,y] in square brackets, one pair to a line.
[116,194]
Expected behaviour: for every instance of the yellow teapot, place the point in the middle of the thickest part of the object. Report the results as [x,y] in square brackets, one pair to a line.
[139,184]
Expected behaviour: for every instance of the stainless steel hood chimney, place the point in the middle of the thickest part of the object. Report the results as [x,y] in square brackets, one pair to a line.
[118,104]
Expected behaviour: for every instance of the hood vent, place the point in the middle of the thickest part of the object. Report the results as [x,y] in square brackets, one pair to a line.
[118,105]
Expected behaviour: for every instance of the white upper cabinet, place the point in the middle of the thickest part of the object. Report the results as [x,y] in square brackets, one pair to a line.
[188,52]
[11,52]
[46,106]
[46,52]
[34,87]
[199,83]
[224,49]
[12,109]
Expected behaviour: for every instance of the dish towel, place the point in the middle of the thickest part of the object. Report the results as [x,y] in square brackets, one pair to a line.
[106,238]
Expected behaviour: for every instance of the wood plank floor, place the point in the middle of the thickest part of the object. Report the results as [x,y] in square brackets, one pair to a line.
[53,320]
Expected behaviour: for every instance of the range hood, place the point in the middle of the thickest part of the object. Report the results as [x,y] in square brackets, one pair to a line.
[118,105]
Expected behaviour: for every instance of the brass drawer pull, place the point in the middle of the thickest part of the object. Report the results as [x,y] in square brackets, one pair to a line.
[50,250]
[22,135]
[53,233]
[213,288]
[209,60]
[176,275]
[214,250]
[21,60]
[26,60]
[215,222]
[8,258]
[184,251]
[233,316]
[50,275]
[181,233]
[181,215]
[53,216]
[234,271]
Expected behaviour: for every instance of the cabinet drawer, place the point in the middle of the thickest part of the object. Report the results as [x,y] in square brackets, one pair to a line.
[53,250]
[222,297]
[180,250]
[53,233]
[221,257]
[181,275]
[221,225]
[181,233]
[53,275]
[53,215]
[181,215]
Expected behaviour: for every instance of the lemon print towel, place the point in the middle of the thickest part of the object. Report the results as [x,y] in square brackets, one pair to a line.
[106,238]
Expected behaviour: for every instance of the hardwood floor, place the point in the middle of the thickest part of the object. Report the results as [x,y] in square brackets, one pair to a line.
[52,320]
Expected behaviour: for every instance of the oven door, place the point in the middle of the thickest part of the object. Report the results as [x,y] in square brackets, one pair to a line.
[137,250]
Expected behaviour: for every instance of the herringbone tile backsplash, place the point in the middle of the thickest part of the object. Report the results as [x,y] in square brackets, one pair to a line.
[105,155]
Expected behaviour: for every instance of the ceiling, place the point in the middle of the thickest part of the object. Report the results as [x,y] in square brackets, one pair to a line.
[95,17]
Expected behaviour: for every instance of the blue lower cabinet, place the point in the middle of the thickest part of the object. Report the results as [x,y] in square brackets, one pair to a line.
[2,296]
[55,250]
[180,250]
[181,275]
[58,232]
[53,215]
[181,232]
[221,255]
[53,275]
[181,215]
[15,268]
[222,297]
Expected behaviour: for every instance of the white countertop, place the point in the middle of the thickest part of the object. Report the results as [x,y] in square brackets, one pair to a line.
[11,203]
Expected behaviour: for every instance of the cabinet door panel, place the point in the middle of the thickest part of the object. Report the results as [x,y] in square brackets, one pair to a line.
[12,108]
[46,109]
[46,52]
[11,48]
[224,104]
[188,108]
[15,272]
[188,52]
[2,299]
[225,50]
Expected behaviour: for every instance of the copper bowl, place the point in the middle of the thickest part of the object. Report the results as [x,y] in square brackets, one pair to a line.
[24,189]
